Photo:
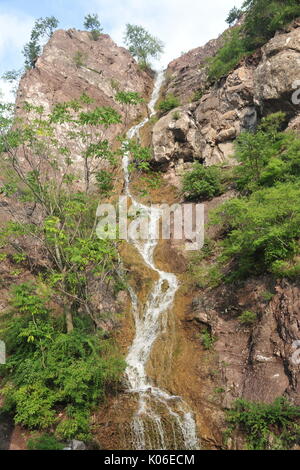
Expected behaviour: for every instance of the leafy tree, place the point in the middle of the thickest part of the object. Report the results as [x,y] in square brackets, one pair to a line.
[92,24]
[262,230]
[68,213]
[234,15]
[127,99]
[202,182]
[43,27]
[142,45]
[31,51]
[140,155]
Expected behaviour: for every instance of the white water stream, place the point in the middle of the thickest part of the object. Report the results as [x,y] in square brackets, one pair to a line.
[162,421]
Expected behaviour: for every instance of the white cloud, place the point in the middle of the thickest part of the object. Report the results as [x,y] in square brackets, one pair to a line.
[15,30]
[181,24]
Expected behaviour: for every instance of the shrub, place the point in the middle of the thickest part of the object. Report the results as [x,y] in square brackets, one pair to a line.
[169,103]
[263,230]
[176,116]
[263,423]
[262,18]
[44,442]
[202,182]
[247,318]
[105,182]
[79,59]
[197,95]
[49,369]
[228,56]
[207,339]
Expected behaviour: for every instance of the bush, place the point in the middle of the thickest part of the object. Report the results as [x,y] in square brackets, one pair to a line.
[169,103]
[197,95]
[262,18]
[44,442]
[202,182]
[80,59]
[263,423]
[247,318]
[105,182]
[228,56]
[262,227]
[48,369]
[263,230]
[207,339]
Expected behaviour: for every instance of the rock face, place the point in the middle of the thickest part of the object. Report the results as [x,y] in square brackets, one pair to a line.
[188,73]
[258,362]
[277,75]
[72,64]
[205,130]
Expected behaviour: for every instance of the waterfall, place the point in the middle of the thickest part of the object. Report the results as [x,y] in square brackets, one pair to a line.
[162,421]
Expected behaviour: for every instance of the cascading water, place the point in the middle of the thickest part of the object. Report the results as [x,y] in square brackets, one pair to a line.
[162,421]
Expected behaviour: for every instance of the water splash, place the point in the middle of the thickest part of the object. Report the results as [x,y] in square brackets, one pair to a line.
[162,421]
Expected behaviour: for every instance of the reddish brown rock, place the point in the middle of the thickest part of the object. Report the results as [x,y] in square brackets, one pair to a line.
[72,64]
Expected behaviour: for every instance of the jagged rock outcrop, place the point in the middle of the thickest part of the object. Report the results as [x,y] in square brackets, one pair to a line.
[277,76]
[188,73]
[72,64]
[258,362]
[205,130]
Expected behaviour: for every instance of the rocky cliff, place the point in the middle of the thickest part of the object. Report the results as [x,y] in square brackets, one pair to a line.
[206,129]
[73,63]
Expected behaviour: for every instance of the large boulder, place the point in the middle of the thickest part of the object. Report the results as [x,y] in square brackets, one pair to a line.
[278,73]
[206,130]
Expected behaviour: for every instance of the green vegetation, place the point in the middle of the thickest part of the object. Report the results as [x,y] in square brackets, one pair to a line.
[49,369]
[140,156]
[262,18]
[61,363]
[43,27]
[176,116]
[127,99]
[247,318]
[197,95]
[92,24]
[105,182]
[262,225]
[169,103]
[202,183]
[44,442]
[142,45]
[80,59]
[266,426]
[207,339]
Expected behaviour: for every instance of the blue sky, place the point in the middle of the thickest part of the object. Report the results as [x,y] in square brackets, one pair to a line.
[181,24]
